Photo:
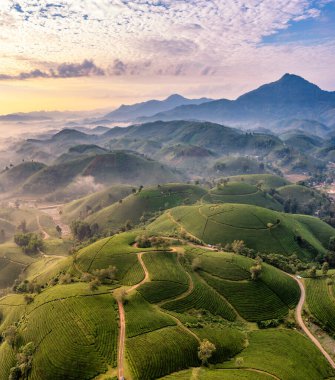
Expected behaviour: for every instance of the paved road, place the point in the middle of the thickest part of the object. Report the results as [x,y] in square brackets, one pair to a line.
[298,316]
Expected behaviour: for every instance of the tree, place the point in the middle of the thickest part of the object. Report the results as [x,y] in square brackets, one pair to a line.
[59,230]
[29,242]
[205,351]
[81,230]
[94,284]
[2,236]
[239,362]
[196,264]
[11,335]
[325,268]
[23,226]
[238,246]
[331,244]
[312,272]
[255,271]
[105,274]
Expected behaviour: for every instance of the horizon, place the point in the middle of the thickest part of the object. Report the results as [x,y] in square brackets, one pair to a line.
[51,59]
[163,98]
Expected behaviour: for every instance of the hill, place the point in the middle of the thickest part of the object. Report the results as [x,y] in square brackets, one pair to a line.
[307,126]
[243,193]
[291,97]
[146,204]
[83,207]
[306,200]
[80,151]
[266,181]
[302,141]
[215,137]
[116,167]
[238,165]
[261,229]
[170,307]
[17,175]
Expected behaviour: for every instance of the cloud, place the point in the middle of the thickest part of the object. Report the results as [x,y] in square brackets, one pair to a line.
[64,70]
[196,38]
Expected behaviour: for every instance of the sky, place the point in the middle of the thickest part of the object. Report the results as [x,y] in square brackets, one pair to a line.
[94,54]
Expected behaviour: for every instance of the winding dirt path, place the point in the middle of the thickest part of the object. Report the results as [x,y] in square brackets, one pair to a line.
[40,227]
[122,340]
[298,316]
[53,212]
[146,274]
[122,334]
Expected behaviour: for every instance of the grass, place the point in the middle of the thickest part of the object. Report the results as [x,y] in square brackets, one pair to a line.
[321,302]
[142,317]
[177,351]
[76,336]
[7,361]
[228,341]
[284,353]
[168,278]
[116,251]
[9,272]
[203,297]
[156,291]
[253,300]
[164,266]
[12,307]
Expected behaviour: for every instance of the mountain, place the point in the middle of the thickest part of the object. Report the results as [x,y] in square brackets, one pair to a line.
[289,97]
[118,167]
[151,107]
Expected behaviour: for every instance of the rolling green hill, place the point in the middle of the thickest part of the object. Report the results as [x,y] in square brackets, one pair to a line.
[170,306]
[146,203]
[267,181]
[261,229]
[307,200]
[95,202]
[241,192]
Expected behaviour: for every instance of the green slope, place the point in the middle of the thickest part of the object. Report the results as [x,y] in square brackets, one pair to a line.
[147,203]
[261,229]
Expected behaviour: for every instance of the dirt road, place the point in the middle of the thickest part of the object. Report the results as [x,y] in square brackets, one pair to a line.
[300,321]
[122,334]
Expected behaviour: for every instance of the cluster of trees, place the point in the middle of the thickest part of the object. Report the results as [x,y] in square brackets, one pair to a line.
[144,241]
[99,276]
[26,287]
[24,362]
[30,243]
[83,230]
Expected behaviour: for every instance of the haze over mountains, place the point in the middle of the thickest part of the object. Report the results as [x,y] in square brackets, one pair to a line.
[289,97]
[288,103]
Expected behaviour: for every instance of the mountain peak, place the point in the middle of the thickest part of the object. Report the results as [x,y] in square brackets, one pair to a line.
[175,97]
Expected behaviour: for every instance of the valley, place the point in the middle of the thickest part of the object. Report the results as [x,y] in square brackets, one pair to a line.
[182,249]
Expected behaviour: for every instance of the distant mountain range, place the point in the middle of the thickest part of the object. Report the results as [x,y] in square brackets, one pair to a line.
[146,109]
[291,97]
